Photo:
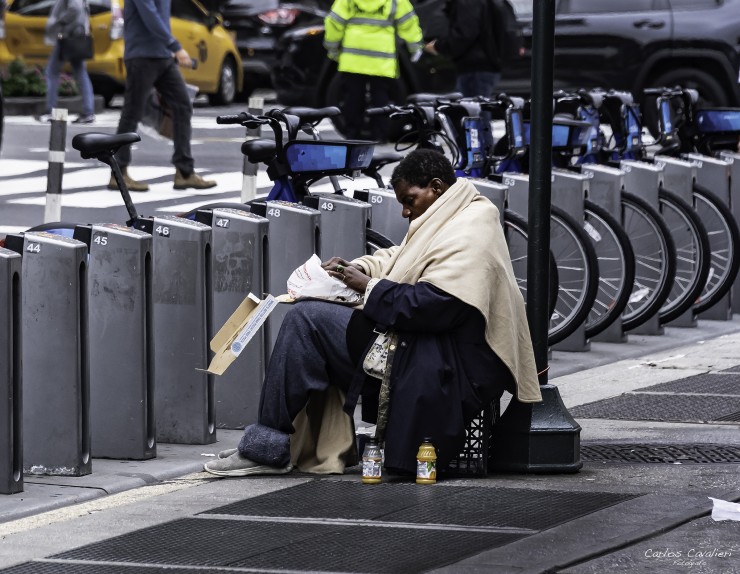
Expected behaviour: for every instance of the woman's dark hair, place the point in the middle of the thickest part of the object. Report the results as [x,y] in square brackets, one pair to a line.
[421,166]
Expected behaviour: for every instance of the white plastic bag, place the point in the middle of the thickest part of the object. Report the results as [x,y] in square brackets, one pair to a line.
[725,510]
[312,280]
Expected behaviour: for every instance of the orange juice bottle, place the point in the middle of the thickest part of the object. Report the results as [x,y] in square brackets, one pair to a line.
[426,463]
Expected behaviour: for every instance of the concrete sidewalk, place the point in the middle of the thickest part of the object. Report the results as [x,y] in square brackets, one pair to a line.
[609,517]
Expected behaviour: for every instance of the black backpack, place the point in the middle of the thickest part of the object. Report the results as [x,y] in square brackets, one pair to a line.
[505,43]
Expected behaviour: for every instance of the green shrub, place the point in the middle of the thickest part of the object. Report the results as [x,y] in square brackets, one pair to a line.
[21,80]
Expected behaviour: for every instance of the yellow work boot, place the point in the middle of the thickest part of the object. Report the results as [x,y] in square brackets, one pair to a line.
[193,180]
[131,183]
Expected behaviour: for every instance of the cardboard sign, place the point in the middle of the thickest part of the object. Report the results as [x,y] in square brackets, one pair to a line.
[238,330]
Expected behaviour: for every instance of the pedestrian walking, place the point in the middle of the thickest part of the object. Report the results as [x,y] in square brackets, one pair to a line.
[151,56]
[361,36]
[480,34]
[433,344]
[69,21]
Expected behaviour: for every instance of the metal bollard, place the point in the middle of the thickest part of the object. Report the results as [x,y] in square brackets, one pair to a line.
[121,341]
[294,235]
[57,143]
[249,170]
[56,377]
[11,435]
[387,218]
[344,222]
[184,408]
[238,267]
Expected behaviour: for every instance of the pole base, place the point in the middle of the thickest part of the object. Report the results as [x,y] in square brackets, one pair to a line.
[536,437]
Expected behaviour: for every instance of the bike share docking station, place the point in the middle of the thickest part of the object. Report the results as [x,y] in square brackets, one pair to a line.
[714,175]
[294,235]
[184,406]
[679,176]
[605,189]
[11,435]
[386,213]
[121,342]
[56,376]
[734,160]
[569,190]
[344,222]
[644,180]
[239,266]
[497,193]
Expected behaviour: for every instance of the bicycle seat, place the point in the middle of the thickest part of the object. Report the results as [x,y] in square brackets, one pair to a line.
[95,144]
[311,115]
[423,97]
[259,151]
[383,158]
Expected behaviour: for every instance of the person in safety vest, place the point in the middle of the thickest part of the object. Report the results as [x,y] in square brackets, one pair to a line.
[361,36]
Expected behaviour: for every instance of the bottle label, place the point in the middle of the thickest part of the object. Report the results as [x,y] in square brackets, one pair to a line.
[370,467]
[426,469]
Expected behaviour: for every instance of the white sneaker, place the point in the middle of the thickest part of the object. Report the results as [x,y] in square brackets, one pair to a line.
[238,465]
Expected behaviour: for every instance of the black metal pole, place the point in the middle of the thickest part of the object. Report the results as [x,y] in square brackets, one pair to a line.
[538,437]
[540,161]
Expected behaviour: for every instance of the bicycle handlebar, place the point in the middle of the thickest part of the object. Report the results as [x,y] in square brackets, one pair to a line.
[384,111]
[240,118]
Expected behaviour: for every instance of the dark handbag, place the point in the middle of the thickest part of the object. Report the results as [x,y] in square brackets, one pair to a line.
[75,48]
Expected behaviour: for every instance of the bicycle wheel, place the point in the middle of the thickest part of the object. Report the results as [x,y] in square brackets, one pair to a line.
[655,260]
[692,255]
[375,241]
[515,231]
[724,239]
[616,267]
[578,274]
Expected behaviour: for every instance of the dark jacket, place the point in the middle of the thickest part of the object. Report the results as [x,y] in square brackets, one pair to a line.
[443,371]
[470,30]
[146,30]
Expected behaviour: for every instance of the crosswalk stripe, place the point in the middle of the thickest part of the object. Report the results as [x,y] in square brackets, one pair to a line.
[15,167]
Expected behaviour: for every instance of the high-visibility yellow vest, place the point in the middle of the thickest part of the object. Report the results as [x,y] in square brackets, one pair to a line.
[361,35]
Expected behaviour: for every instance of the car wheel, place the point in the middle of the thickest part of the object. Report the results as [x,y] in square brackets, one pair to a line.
[334,96]
[710,90]
[226,84]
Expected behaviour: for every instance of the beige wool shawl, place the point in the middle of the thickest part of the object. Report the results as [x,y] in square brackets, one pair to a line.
[458,246]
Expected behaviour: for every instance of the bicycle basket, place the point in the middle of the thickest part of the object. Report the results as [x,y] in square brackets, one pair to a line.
[325,157]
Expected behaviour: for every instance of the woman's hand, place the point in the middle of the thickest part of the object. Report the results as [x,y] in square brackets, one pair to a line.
[351,275]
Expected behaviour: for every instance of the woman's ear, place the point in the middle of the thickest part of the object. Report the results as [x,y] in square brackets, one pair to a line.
[437,187]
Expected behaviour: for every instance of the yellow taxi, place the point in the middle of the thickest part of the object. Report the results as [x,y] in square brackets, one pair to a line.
[219,67]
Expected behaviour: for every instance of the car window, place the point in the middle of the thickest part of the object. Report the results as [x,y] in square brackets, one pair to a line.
[694,4]
[603,6]
[186,10]
[43,7]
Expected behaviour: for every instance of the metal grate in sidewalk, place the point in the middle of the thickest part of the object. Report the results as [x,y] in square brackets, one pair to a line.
[657,453]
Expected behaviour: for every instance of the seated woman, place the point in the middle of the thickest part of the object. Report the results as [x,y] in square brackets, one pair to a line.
[442,333]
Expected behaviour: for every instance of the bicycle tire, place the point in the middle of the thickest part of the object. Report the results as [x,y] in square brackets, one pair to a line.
[724,242]
[616,267]
[218,204]
[375,241]
[515,231]
[655,260]
[692,255]
[578,274]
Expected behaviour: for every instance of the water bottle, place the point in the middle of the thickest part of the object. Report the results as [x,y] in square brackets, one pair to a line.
[426,463]
[371,463]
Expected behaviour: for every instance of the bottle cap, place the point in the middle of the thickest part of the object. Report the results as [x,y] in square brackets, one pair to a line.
[427,439]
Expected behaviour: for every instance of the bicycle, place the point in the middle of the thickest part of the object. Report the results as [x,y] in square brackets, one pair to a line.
[295,164]
[678,133]
[574,255]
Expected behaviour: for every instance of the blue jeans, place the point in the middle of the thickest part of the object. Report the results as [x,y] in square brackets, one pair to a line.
[79,68]
[142,74]
[477,83]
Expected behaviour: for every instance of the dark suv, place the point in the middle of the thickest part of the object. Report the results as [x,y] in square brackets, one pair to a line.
[621,44]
